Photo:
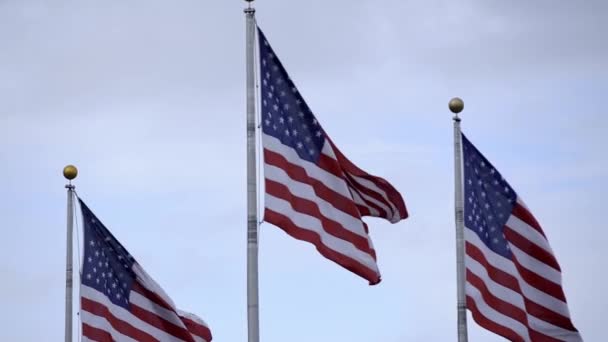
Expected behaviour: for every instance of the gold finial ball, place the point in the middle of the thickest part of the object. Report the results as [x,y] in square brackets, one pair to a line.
[70,172]
[456,105]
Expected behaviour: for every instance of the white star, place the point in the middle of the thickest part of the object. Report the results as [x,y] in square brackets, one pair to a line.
[88,275]
[286,106]
[314,122]
[92,243]
[287,132]
[318,134]
[311,152]
[294,90]
[300,145]
[307,139]
[298,102]
[290,119]
[301,114]
[280,81]
[267,122]
[90,259]
[294,132]
[269,95]
[281,119]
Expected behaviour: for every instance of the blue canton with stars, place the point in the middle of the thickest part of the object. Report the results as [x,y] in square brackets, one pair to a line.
[488,199]
[285,115]
[107,265]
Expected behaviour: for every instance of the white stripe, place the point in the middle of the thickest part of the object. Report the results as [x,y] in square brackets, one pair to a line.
[507,295]
[373,187]
[146,304]
[507,266]
[525,230]
[306,191]
[496,316]
[194,318]
[313,224]
[536,266]
[499,291]
[124,315]
[102,324]
[553,331]
[333,182]
[374,201]
[364,183]
[359,201]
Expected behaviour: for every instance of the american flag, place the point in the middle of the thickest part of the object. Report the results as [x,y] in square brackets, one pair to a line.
[120,301]
[313,192]
[513,280]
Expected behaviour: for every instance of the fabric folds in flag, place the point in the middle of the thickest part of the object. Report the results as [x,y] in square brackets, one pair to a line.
[313,192]
[120,301]
[513,281]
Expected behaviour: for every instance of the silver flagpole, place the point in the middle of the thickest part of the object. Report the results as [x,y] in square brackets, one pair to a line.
[253,321]
[456,105]
[69,172]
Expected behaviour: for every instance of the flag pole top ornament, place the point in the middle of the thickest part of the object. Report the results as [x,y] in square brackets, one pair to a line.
[70,172]
[456,106]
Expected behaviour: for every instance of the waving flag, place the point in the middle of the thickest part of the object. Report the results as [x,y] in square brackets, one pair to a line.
[313,192]
[513,280]
[120,302]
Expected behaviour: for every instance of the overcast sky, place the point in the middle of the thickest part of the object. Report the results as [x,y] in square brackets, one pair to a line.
[147,98]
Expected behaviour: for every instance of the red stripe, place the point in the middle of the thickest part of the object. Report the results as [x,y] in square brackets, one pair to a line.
[497,275]
[539,282]
[530,248]
[496,303]
[299,174]
[197,328]
[152,296]
[161,323]
[96,334]
[354,186]
[510,282]
[311,208]
[156,320]
[299,233]
[393,195]
[491,325]
[365,211]
[523,214]
[119,325]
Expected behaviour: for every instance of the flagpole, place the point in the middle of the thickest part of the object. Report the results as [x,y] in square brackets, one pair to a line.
[253,324]
[69,172]
[456,105]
